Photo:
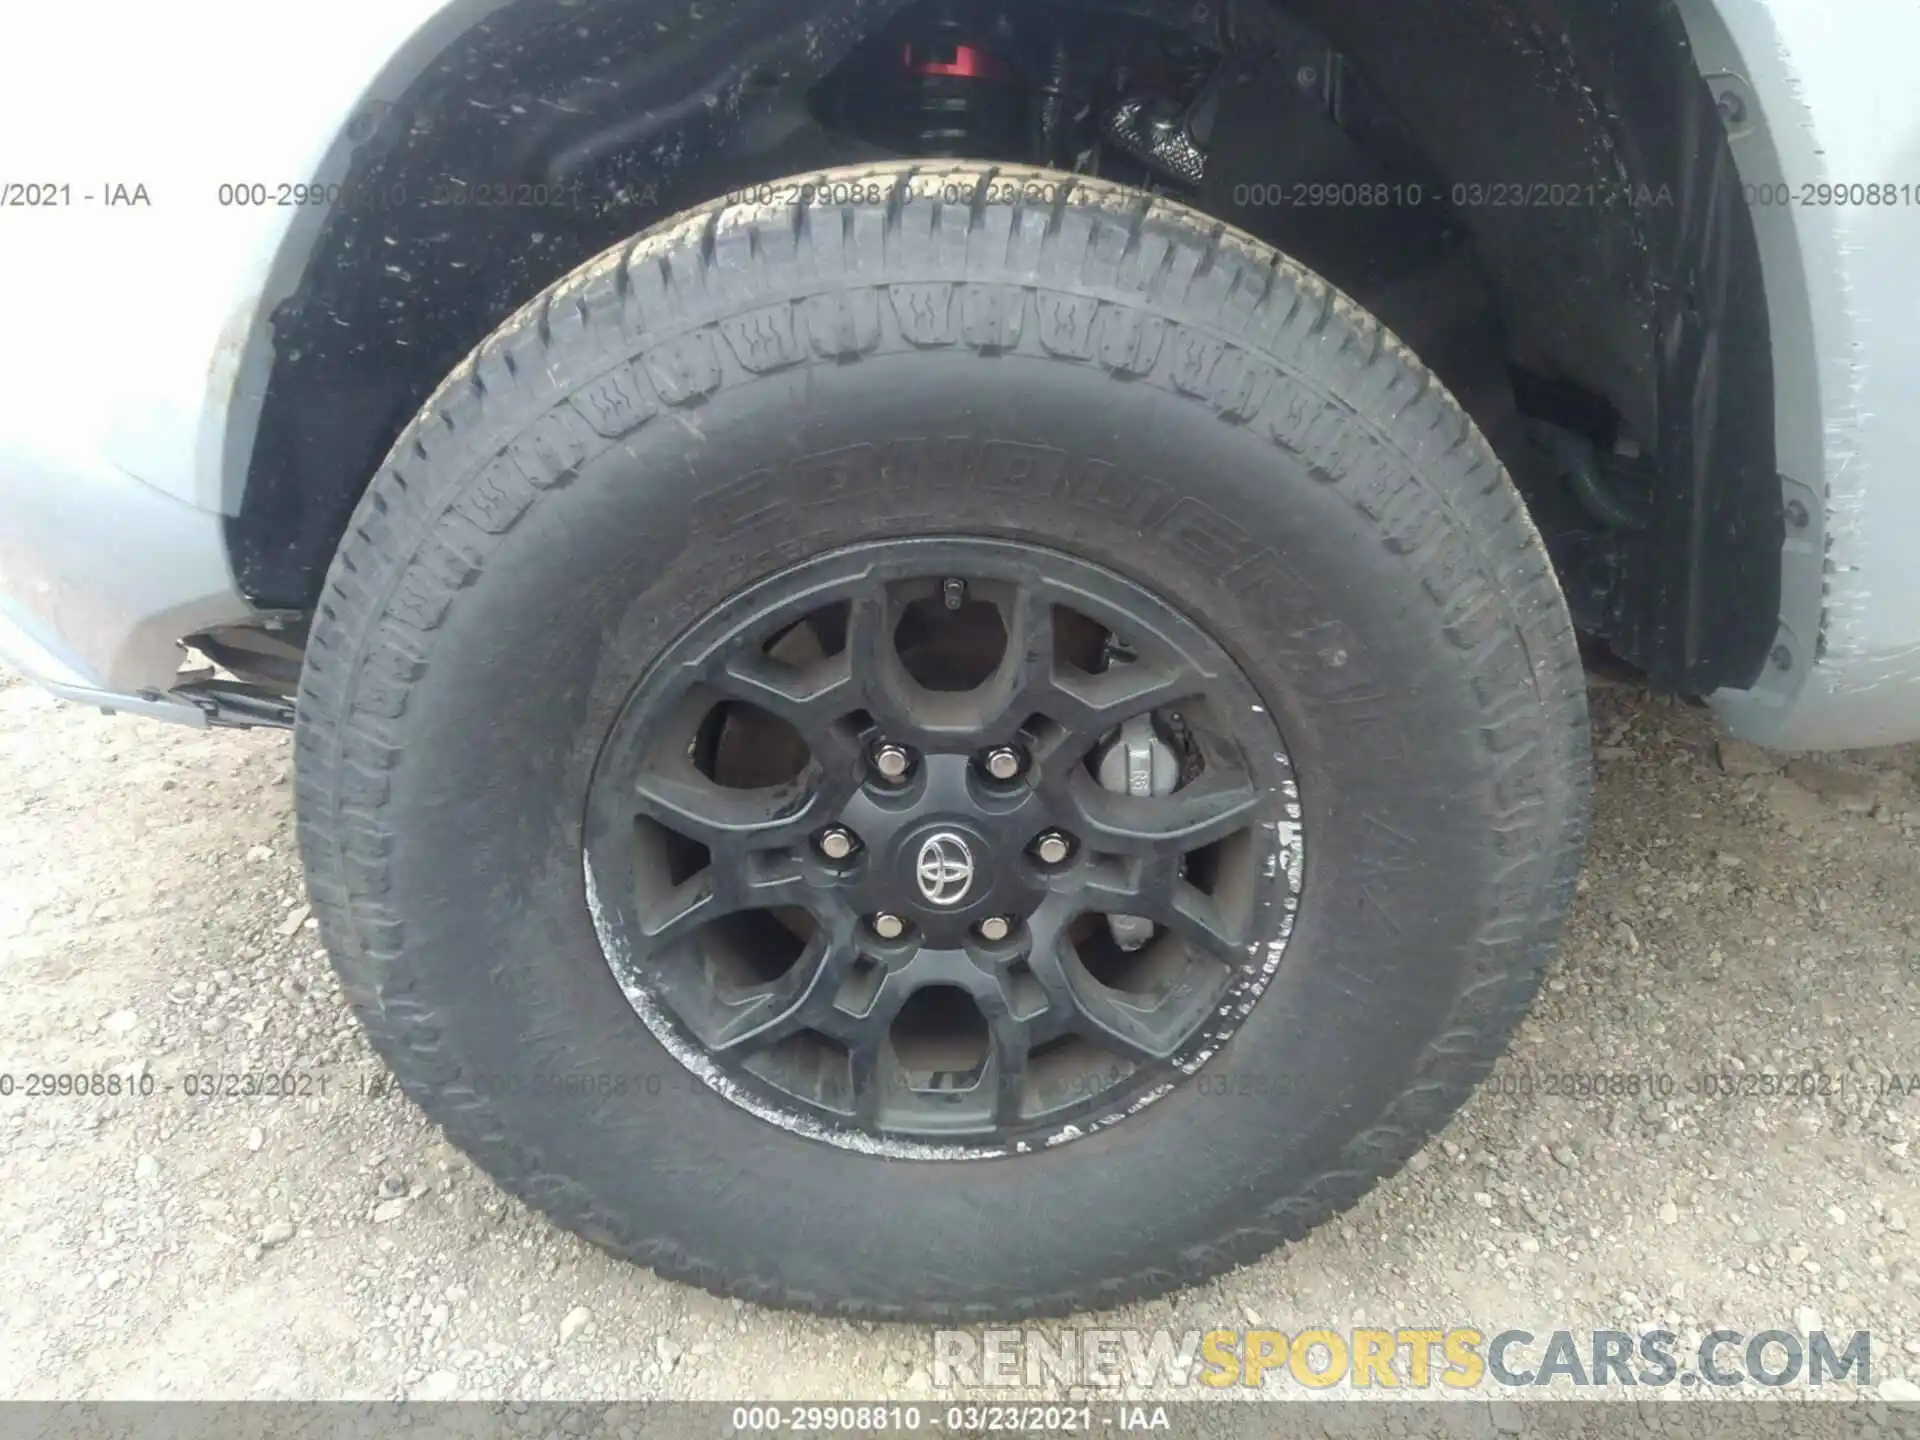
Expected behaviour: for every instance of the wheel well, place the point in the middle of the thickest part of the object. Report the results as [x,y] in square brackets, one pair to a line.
[1576,261]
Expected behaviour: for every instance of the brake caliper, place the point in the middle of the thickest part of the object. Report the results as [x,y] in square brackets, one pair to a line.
[1137,762]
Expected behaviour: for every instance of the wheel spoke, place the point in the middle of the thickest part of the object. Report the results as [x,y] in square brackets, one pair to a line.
[1070,990]
[863,1033]
[1102,1016]
[1026,667]
[874,661]
[782,1009]
[724,820]
[1220,802]
[991,711]
[1085,706]
[867,1057]
[1196,919]
[1146,1029]
[1010,1043]
[713,894]
[811,698]
[1155,1032]
[1153,887]
[995,709]
[1088,707]
[1047,963]
[806,697]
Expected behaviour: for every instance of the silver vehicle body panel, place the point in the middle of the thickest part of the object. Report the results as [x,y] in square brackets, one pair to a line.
[1829,98]
[141,336]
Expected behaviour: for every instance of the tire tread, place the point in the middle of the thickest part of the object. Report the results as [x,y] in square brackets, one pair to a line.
[419,538]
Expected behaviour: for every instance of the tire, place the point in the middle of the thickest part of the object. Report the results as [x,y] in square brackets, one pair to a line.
[725,398]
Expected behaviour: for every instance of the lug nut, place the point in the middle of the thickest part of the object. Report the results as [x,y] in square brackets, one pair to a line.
[1052,847]
[892,761]
[1004,763]
[837,843]
[889,927]
[995,929]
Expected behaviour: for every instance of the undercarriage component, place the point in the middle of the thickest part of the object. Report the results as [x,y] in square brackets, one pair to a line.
[962,98]
[266,653]
[1577,463]
[955,85]
[1041,85]
[1169,141]
[235,705]
[254,674]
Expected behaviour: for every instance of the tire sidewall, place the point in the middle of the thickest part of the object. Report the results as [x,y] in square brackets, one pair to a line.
[547,645]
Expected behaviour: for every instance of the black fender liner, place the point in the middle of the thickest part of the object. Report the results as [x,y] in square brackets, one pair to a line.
[625,111]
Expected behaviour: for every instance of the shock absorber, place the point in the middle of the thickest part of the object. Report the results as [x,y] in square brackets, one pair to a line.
[959,95]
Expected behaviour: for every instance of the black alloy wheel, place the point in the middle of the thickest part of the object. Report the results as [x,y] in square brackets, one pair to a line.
[819,895]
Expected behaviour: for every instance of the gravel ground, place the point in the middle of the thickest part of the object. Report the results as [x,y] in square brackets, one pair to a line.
[1743,914]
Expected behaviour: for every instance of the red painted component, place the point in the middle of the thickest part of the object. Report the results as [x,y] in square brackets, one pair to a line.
[968,63]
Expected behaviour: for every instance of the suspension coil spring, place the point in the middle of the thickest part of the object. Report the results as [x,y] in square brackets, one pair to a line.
[964,98]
